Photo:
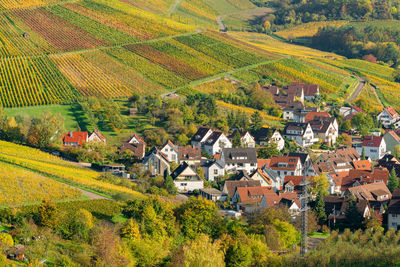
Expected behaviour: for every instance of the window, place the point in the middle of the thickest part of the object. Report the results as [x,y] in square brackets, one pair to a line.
[215,172]
[173,157]
[183,184]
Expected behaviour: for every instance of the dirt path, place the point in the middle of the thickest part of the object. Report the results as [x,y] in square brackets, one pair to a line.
[90,195]
[376,95]
[358,90]
[174,7]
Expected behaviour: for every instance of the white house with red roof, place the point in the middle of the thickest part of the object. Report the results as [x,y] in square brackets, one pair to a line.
[284,165]
[96,136]
[373,146]
[388,117]
[75,139]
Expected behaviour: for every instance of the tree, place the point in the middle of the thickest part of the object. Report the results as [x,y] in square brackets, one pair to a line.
[353,217]
[268,151]
[169,185]
[46,214]
[396,151]
[363,154]
[237,142]
[238,254]
[321,185]
[6,240]
[320,209]
[196,216]
[82,224]
[202,252]
[393,182]
[45,129]
[256,121]
[287,233]
[130,229]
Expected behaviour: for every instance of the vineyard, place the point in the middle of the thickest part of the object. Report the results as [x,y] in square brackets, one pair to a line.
[19,186]
[44,163]
[308,29]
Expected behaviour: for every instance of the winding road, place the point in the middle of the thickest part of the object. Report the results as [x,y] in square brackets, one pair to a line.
[358,90]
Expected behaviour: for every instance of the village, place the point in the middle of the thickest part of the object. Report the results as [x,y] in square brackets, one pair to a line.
[228,168]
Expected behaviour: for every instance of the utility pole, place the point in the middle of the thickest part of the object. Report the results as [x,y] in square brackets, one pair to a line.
[304,208]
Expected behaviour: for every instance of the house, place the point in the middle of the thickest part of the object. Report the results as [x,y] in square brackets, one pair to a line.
[96,136]
[136,145]
[300,115]
[290,110]
[248,199]
[170,151]
[284,165]
[388,117]
[200,137]
[302,133]
[16,252]
[274,178]
[229,187]
[349,112]
[360,177]
[309,90]
[186,180]
[239,159]
[246,139]
[212,169]
[216,142]
[325,129]
[211,194]
[191,155]
[291,201]
[292,183]
[336,207]
[296,91]
[389,162]
[374,147]
[265,136]
[391,140]
[156,162]
[349,154]
[263,177]
[305,158]
[377,192]
[75,139]
[393,210]
[312,115]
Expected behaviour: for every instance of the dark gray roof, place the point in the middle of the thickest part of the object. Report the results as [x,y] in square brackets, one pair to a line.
[302,156]
[199,135]
[212,139]
[239,155]
[179,170]
[264,134]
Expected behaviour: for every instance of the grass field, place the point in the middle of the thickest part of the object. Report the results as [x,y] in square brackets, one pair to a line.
[308,29]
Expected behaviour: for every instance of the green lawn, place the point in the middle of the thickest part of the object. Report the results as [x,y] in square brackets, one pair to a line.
[71,113]
[318,235]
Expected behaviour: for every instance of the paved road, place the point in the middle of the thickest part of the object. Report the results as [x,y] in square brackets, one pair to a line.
[358,90]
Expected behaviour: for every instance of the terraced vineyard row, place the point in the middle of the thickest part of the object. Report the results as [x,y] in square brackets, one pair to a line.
[19,186]
[41,162]
[117,72]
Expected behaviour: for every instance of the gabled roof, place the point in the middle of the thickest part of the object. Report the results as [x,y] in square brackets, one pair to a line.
[169,142]
[156,151]
[392,113]
[321,124]
[135,136]
[290,162]
[96,132]
[309,89]
[371,191]
[297,105]
[312,115]
[213,138]
[262,162]
[239,155]
[264,134]
[199,135]
[189,153]
[179,172]
[232,185]
[303,156]
[138,149]
[372,141]
[250,195]
[295,126]
[364,177]
[263,175]
[349,154]
[75,137]
[392,134]
[241,133]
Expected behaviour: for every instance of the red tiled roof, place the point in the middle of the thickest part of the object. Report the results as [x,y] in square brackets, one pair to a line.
[372,141]
[99,135]
[392,113]
[255,194]
[313,114]
[290,161]
[75,137]
[262,162]
[362,165]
